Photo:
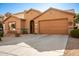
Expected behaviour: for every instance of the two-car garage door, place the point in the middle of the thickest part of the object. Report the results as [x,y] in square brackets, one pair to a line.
[57,26]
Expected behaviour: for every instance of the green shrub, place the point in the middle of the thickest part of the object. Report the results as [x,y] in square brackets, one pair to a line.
[75,27]
[1,30]
[24,31]
[0,39]
[74,33]
[1,34]
[1,26]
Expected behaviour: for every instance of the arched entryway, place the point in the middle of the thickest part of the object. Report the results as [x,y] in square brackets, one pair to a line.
[32,26]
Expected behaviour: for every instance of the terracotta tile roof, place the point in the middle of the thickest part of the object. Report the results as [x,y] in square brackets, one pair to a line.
[14,15]
[25,11]
[11,16]
[32,10]
[19,14]
[65,11]
[22,16]
[54,9]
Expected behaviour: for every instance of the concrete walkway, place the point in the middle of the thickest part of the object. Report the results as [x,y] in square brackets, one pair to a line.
[33,45]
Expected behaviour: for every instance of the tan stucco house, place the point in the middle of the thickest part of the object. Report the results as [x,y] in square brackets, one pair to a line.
[52,21]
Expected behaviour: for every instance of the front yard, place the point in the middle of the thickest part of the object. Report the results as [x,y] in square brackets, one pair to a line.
[72,48]
[33,45]
[39,45]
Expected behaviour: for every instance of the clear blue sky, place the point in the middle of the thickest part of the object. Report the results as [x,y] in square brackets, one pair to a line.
[18,7]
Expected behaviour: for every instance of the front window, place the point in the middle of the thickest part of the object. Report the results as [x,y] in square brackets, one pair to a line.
[12,26]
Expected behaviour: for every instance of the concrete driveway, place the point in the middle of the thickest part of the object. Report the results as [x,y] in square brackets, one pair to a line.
[33,45]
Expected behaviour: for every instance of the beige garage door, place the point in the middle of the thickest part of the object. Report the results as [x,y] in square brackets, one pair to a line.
[59,26]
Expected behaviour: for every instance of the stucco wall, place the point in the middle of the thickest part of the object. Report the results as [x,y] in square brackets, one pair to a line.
[23,22]
[29,16]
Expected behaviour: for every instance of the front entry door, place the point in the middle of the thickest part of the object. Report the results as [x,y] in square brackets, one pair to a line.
[31,26]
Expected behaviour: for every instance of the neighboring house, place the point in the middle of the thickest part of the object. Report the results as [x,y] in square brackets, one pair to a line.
[52,21]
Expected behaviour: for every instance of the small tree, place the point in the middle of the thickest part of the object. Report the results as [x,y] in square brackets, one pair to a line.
[1,17]
[1,31]
[8,14]
[24,31]
[76,18]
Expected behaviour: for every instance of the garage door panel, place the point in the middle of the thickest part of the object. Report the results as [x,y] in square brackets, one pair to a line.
[53,27]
